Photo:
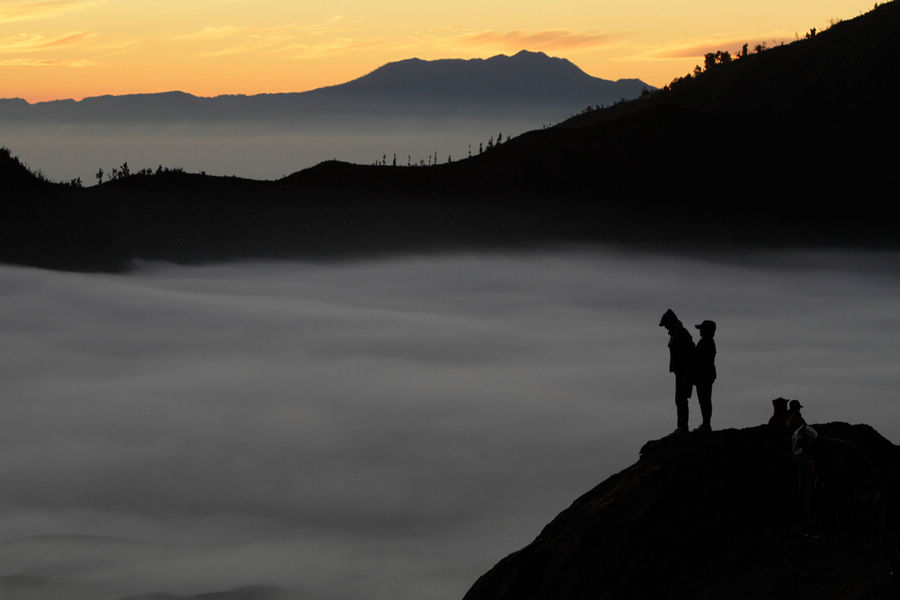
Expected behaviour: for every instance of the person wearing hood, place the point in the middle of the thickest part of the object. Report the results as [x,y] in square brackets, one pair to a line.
[681,352]
[779,416]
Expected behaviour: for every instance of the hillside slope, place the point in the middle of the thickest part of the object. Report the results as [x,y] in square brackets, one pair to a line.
[788,147]
[791,145]
[713,516]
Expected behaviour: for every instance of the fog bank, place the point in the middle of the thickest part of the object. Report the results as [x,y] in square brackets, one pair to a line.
[385,429]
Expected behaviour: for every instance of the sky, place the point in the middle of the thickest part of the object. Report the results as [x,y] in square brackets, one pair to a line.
[53,49]
[385,429]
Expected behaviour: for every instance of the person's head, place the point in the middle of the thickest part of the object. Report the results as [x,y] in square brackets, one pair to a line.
[795,405]
[780,404]
[669,320]
[707,328]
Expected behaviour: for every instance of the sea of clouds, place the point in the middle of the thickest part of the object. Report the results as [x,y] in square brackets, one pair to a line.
[390,428]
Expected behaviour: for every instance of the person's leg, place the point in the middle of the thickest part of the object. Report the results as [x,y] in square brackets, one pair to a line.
[682,393]
[704,397]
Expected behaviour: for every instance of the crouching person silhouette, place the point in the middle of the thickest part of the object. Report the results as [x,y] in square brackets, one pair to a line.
[834,470]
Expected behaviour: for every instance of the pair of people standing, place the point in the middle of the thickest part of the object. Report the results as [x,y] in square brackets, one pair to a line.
[692,366]
[787,415]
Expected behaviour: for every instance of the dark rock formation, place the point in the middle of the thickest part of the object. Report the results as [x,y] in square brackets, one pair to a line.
[713,515]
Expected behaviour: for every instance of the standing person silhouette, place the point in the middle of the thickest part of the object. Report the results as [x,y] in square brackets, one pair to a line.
[705,371]
[794,419]
[778,418]
[681,351]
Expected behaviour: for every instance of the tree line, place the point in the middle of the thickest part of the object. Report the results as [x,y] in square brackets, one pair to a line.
[432,160]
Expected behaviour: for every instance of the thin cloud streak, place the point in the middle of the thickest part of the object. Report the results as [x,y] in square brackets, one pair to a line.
[550,39]
[311,41]
[48,62]
[234,40]
[74,49]
[37,42]
[213,33]
[12,11]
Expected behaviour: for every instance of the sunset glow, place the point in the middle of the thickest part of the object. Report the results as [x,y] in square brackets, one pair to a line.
[52,49]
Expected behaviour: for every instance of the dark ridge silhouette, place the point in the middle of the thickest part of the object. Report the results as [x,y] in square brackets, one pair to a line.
[527,83]
[774,148]
[52,226]
[712,515]
[782,148]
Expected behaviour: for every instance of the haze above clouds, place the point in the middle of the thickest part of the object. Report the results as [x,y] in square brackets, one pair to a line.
[385,429]
[64,152]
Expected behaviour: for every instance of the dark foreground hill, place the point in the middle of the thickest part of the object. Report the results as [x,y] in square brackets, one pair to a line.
[714,515]
[791,146]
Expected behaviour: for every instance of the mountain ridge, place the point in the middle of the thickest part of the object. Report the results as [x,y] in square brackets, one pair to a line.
[525,81]
[701,165]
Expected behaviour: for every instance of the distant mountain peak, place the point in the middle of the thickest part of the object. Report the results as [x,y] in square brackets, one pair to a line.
[522,57]
[529,81]
[524,52]
[524,75]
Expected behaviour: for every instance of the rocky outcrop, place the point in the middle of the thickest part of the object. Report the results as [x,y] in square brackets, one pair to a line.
[715,515]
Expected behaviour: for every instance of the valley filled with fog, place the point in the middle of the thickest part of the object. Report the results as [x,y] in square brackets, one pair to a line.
[388,428]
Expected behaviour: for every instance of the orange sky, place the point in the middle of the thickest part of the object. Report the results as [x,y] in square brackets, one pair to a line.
[53,49]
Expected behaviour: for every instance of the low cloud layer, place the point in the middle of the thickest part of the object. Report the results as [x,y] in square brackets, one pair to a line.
[385,429]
